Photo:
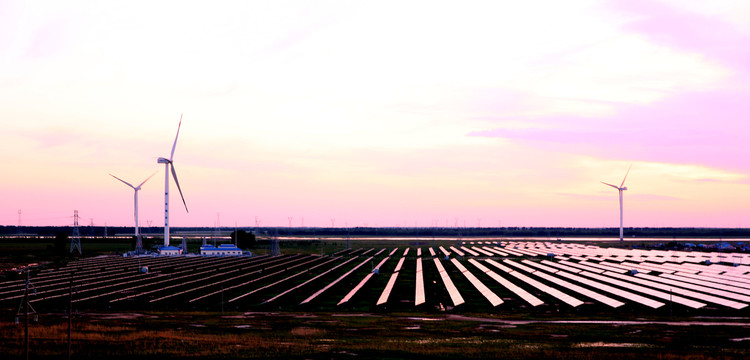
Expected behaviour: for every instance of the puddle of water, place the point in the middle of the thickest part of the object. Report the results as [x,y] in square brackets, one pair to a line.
[605,344]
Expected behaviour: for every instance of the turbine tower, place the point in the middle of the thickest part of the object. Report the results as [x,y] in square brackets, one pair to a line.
[139,243]
[620,189]
[168,164]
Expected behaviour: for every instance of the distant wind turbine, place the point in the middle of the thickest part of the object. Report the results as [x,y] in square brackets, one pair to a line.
[620,188]
[167,163]
[135,206]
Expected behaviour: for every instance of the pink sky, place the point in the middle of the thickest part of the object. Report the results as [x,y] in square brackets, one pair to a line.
[377,113]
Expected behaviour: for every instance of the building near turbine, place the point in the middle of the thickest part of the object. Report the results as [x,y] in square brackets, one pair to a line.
[170,251]
[222,250]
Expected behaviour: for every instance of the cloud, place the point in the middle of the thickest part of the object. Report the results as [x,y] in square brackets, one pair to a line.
[701,128]
[708,34]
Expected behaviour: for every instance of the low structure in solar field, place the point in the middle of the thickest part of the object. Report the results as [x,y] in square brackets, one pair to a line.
[222,250]
[170,251]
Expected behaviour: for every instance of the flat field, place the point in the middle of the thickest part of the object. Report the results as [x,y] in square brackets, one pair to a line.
[153,335]
[122,313]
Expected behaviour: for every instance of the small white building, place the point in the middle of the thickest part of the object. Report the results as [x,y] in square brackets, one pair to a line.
[170,250]
[222,250]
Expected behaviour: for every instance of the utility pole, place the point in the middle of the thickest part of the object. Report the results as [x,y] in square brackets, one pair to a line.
[26,317]
[70,315]
[25,304]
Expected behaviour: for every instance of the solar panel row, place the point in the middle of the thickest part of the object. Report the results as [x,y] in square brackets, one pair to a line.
[483,289]
[455,296]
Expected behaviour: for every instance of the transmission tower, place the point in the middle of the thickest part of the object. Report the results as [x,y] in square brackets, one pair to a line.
[75,241]
[275,251]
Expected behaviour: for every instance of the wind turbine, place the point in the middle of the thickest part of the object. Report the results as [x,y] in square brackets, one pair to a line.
[620,188]
[167,165]
[139,244]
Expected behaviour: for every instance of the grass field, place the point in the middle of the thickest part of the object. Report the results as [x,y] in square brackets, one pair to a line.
[365,336]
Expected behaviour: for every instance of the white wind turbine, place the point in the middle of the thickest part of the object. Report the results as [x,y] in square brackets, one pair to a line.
[135,206]
[620,188]
[167,163]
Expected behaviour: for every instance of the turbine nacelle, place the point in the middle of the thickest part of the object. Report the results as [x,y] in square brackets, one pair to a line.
[162,160]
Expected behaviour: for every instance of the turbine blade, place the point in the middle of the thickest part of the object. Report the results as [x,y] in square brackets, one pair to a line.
[144,181]
[175,138]
[610,185]
[626,175]
[174,176]
[126,183]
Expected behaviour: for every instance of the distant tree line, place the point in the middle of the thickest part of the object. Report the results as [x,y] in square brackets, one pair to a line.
[551,232]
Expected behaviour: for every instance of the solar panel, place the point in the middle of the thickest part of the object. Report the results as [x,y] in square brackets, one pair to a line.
[512,252]
[309,281]
[517,265]
[605,267]
[707,283]
[646,267]
[377,267]
[523,294]
[470,251]
[697,287]
[387,291]
[482,251]
[459,252]
[398,266]
[561,266]
[676,290]
[541,287]
[351,293]
[624,267]
[645,290]
[612,290]
[583,291]
[498,252]
[257,279]
[718,278]
[582,267]
[282,280]
[483,289]
[419,297]
[313,296]
[452,291]
[445,252]
[540,266]
[499,265]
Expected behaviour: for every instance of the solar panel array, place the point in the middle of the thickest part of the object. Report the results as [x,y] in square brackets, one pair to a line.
[526,273]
